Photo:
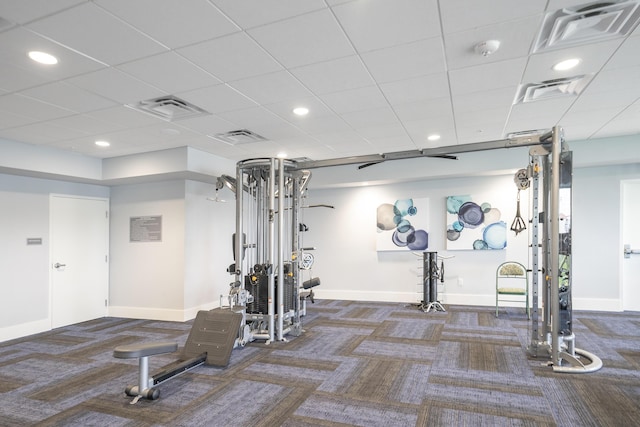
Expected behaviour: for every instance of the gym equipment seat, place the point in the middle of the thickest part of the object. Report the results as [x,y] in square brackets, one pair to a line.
[512,284]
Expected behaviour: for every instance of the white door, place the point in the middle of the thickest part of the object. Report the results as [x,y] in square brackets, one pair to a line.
[79,263]
[631,237]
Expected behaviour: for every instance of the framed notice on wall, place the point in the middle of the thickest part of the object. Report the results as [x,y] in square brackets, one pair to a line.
[145,228]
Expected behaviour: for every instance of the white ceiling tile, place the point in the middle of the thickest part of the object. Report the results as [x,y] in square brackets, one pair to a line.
[514,36]
[416,89]
[626,55]
[489,99]
[376,24]
[335,75]
[69,97]
[122,117]
[616,79]
[210,124]
[372,117]
[83,123]
[618,98]
[585,123]
[542,114]
[170,72]
[278,132]
[421,129]
[472,135]
[406,60]
[285,109]
[29,107]
[386,131]
[116,86]
[306,39]
[321,124]
[216,99]
[16,79]
[347,101]
[428,109]
[481,78]
[9,119]
[249,117]
[24,11]
[16,43]
[272,88]
[40,133]
[184,22]
[592,57]
[252,13]
[232,57]
[460,15]
[92,31]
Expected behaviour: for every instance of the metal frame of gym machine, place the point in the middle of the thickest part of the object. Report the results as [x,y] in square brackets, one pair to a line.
[266,248]
[552,156]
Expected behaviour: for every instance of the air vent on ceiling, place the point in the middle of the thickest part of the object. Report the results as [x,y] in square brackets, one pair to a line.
[588,23]
[240,136]
[169,108]
[570,86]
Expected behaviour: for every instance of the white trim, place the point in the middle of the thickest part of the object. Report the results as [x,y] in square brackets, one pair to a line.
[167,314]
[24,329]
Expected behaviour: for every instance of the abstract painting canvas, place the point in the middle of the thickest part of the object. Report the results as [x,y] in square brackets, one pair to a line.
[402,225]
[474,223]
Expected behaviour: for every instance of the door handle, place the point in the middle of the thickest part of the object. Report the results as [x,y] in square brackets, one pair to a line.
[58,265]
[628,251]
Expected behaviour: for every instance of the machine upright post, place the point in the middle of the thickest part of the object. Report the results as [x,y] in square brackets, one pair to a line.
[281,275]
[553,217]
[239,250]
[272,251]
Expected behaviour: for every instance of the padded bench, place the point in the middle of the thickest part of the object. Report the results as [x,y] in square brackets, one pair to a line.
[142,352]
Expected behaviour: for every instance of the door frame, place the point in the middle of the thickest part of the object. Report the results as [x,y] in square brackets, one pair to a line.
[51,248]
[624,286]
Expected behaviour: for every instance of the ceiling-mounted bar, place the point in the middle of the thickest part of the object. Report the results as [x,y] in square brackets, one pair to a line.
[522,141]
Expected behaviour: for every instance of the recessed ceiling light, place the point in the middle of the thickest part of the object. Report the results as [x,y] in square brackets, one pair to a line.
[102,143]
[301,111]
[43,57]
[282,155]
[567,64]
[433,137]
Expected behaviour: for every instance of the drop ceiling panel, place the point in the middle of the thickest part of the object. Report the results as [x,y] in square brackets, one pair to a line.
[540,66]
[16,43]
[24,11]
[115,85]
[305,39]
[253,13]
[359,99]
[216,99]
[514,37]
[285,109]
[416,89]
[188,22]
[406,60]
[272,88]
[321,124]
[372,117]
[122,117]
[376,24]
[490,99]
[29,107]
[69,97]
[247,118]
[461,15]
[486,77]
[334,76]
[429,109]
[169,72]
[230,58]
[94,32]
[627,54]
[40,133]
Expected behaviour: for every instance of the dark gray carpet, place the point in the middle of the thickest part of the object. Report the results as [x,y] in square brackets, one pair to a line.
[357,364]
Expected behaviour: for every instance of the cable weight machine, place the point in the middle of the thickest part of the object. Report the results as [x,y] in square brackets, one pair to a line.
[551,331]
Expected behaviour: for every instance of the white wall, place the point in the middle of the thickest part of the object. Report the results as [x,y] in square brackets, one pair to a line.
[209,227]
[186,271]
[25,269]
[350,267]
